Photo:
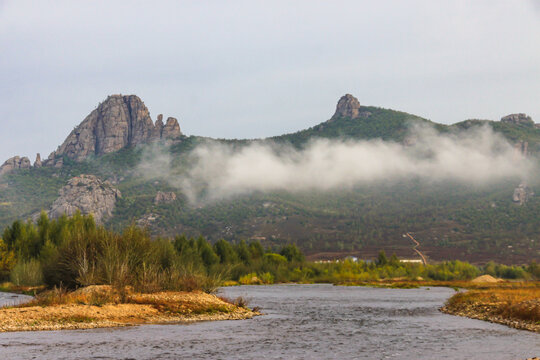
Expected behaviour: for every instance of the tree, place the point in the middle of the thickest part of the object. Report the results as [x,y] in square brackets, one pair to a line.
[394,261]
[292,253]
[7,259]
[207,254]
[225,252]
[256,250]
[382,259]
[243,252]
[275,259]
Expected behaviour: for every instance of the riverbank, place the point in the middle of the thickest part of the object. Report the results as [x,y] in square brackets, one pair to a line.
[102,306]
[512,303]
[515,307]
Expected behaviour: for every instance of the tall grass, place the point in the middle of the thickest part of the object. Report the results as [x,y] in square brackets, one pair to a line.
[27,273]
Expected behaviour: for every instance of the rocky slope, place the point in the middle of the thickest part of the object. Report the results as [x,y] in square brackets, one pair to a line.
[118,122]
[87,194]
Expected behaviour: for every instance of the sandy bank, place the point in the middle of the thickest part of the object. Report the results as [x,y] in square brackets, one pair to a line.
[91,309]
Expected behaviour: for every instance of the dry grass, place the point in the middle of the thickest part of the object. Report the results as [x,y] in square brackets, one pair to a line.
[523,304]
[517,307]
[105,306]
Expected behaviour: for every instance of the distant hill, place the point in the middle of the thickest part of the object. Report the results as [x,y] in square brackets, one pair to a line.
[451,220]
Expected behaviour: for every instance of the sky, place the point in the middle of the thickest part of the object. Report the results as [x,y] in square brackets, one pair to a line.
[247,69]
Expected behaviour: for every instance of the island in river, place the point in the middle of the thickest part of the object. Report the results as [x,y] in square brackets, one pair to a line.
[103,306]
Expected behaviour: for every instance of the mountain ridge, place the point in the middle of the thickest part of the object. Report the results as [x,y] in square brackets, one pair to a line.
[450,220]
[122,121]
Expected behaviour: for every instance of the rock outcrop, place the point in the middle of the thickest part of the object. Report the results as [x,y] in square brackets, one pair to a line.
[118,122]
[164,197]
[38,163]
[87,194]
[349,107]
[522,194]
[518,119]
[14,163]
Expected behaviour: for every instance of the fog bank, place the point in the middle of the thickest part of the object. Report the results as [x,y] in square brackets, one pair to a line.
[218,171]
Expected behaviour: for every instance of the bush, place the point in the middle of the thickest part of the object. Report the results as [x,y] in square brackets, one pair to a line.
[266,278]
[27,273]
[250,279]
[275,259]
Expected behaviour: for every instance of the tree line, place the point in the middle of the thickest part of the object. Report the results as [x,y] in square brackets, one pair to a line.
[73,252]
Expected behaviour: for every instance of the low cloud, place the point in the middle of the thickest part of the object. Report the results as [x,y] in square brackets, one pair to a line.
[215,171]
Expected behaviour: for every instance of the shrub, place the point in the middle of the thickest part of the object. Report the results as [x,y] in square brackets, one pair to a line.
[275,259]
[266,278]
[27,273]
[249,279]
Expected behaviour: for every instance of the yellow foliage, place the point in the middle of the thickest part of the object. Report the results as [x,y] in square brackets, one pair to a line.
[7,258]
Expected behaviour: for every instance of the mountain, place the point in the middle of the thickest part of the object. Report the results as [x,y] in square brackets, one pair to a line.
[98,170]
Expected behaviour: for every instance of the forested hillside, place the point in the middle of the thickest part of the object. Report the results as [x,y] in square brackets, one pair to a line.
[451,220]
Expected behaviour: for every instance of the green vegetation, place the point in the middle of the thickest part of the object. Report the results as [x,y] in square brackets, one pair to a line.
[451,221]
[75,252]
[382,123]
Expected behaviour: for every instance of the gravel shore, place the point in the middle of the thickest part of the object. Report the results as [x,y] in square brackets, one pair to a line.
[488,312]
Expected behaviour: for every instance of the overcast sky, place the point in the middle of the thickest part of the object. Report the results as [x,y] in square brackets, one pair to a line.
[237,69]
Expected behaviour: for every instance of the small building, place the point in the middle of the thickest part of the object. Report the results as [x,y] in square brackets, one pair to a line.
[414,261]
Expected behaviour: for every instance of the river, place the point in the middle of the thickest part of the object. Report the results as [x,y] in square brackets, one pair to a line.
[301,322]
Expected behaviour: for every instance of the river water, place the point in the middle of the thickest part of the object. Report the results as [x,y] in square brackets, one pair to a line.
[301,322]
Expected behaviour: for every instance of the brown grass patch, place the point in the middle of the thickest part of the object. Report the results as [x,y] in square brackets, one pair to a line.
[517,307]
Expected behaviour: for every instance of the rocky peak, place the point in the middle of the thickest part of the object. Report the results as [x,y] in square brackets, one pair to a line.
[38,163]
[87,194]
[518,119]
[159,122]
[171,129]
[15,162]
[118,122]
[348,106]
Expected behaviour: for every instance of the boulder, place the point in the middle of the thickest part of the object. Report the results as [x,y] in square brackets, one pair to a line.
[14,163]
[164,197]
[87,194]
[522,194]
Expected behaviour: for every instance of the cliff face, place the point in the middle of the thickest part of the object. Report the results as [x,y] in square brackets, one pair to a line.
[118,122]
